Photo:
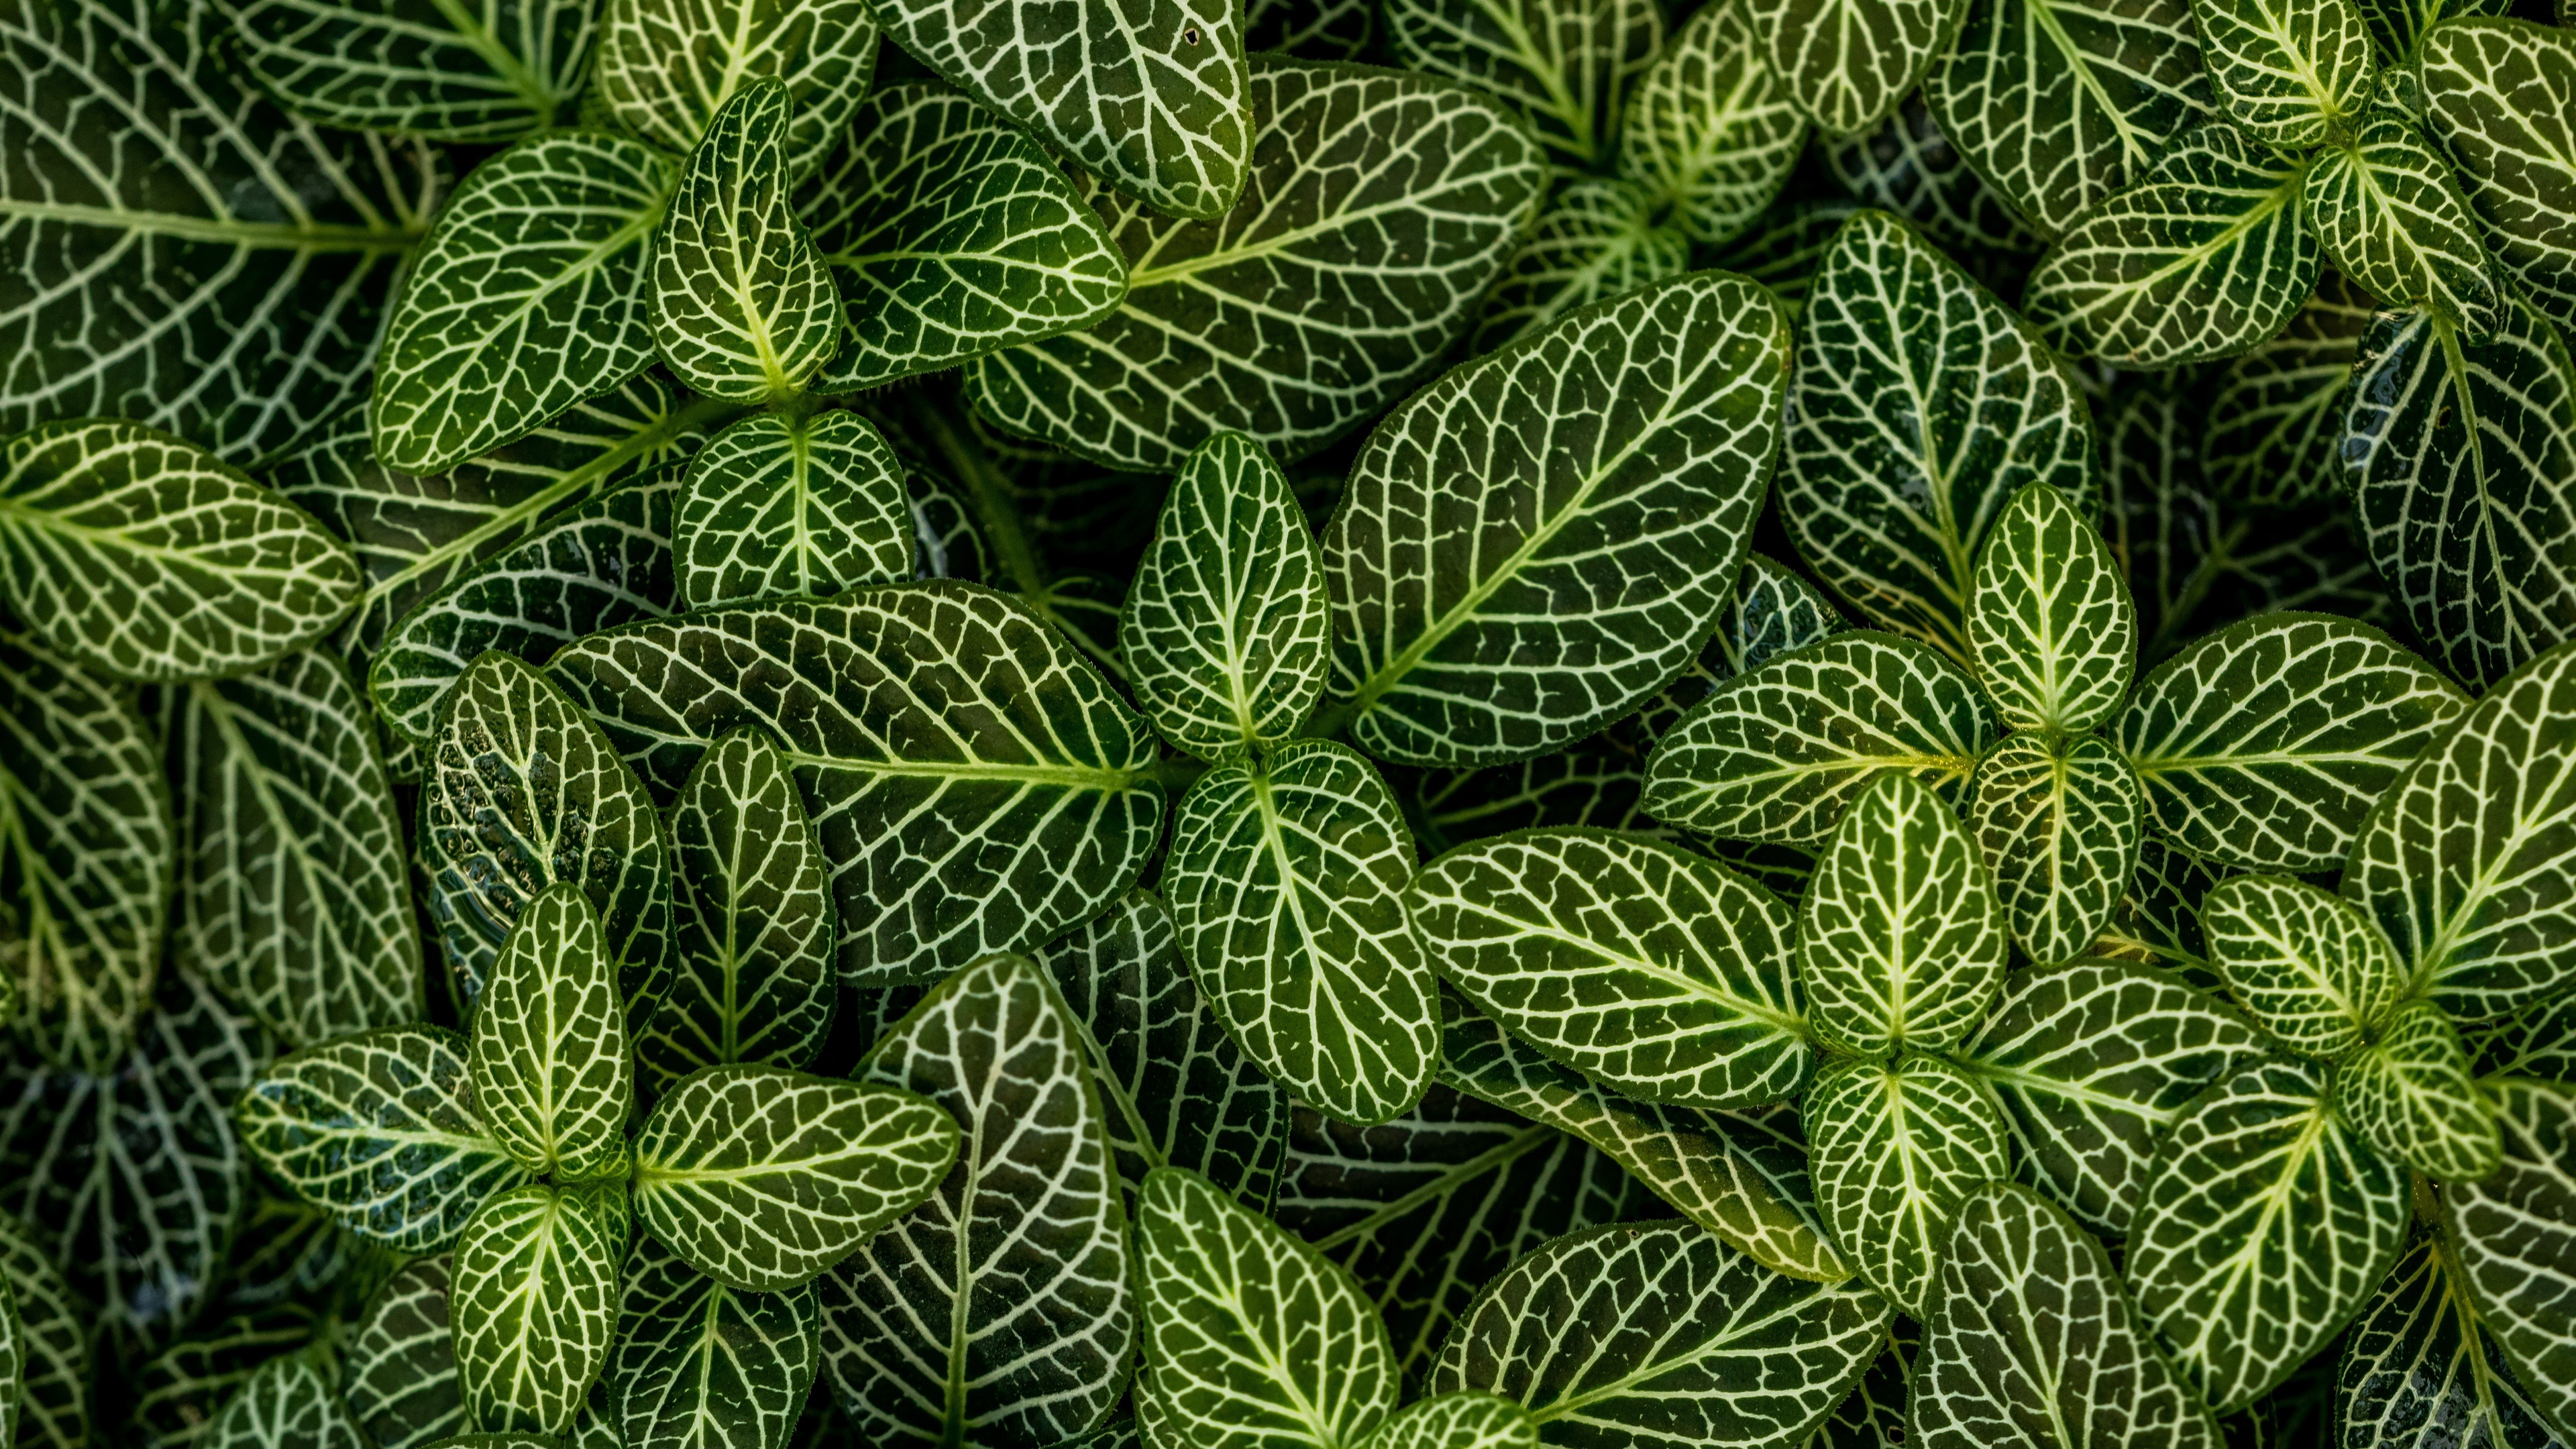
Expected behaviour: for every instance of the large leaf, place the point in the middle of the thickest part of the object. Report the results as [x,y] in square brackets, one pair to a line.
[2275,427]
[144,556]
[1661,1334]
[1642,966]
[781,506]
[2050,623]
[2466,863]
[381,1129]
[699,1365]
[2265,1223]
[666,67]
[2308,966]
[2410,1095]
[1710,131]
[2458,453]
[1895,1148]
[1563,65]
[742,305]
[1922,405]
[2032,1343]
[975,784]
[398,1370]
[1598,237]
[2500,95]
[2058,821]
[528,296]
[2203,258]
[2287,70]
[999,1311]
[552,1073]
[2266,744]
[1285,878]
[52,1405]
[2390,217]
[1377,209]
[494,73]
[182,252]
[2515,1239]
[535,1303]
[1900,940]
[85,857]
[1848,61]
[2419,1368]
[1619,459]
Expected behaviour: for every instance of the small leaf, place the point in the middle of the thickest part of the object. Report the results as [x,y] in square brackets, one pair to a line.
[2286,70]
[2390,217]
[399,1369]
[2409,1093]
[779,507]
[2419,1368]
[2500,95]
[490,74]
[535,1303]
[1597,239]
[2275,428]
[1896,1148]
[1710,131]
[1848,61]
[287,1404]
[2309,967]
[1900,942]
[700,1364]
[1563,67]
[2058,821]
[667,67]
[2514,1235]
[2050,624]
[742,305]
[552,1074]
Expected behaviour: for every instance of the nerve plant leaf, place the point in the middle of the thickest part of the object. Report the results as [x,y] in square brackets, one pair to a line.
[398,1370]
[2390,217]
[1597,238]
[2409,1093]
[2500,95]
[743,307]
[2420,1363]
[553,1076]
[2311,968]
[2058,821]
[698,1363]
[535,1303]
[286,1401]
[1457,1421]
[1905,165]
[1563,65]
[52,1406]
[2050,623]
[666,67]
[1710,131]
[494,73]
[1848,61]
[778,507]
[2286,70]
[2515,1237]
[2275,427]
[1377,209]
[1896,1147]
[1900,940]
[2539,1041]
[951,234]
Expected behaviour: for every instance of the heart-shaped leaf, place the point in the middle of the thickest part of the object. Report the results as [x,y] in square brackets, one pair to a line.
[1313,302]
[2310,967]
[2410,1094]
[2515,1238]
[1598,238]
[52,1347]
[287,1401]
[1922,405]
[1895,1148]
[1001,1307]
[2419,1366]
[398,1372]
[2497,95]
[1285,878]
[1709,130]
[778,507]
[667,67]
[2286,70]
[975,784]
[2050,624]
[1563,67]
[491,74]
[2058,822]
[2275,427]
[552,1073]
[1900,941]
[698,1363]
[1640,965]
[535,1303]
[2390,217]
[742,305]
[1846,62]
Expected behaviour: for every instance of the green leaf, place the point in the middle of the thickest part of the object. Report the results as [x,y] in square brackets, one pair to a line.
[1847,62]
[700,1364]
[2465,863]
[1377,210]
[1561,65]
[2031,1342]
[535,1303]
[1457,1421]
[1661,1334]
[666,67]
[380,1129]
[2538,1041]
[446,74]
[2203,258]
[2090,1061]
[399,1369]
[2050,624]
[1590,782]
[2308,966]
[1598,238]
[523,792]
[1741,1175]
[2058,821]
[2457,452]
[2265,1223]
[177,1394]
[287,1404]
[147,557]
[951,235]
[2516,1248]
[1907,166]
[2275,427]
[1786,244]
[2287,70]
[528,296]
[2060,103]
[1906,441]
[1285,879]
[1895,1147]
[187,254]
[1619,459]
[999,1311]
[1900,941]
[552,1074]
[53,1352]
[2500,95]
[1710,131]
[2265,744]
[1224,629]
[85,857]
[2390,217]
[1316,29]
[2398,26]
[743,307]
[778,507]
[2419,1368]
[1646,968]
[1777,752]
[2410,1094]
[976,786]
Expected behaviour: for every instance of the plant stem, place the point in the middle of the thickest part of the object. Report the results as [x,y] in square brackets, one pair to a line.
[987,492]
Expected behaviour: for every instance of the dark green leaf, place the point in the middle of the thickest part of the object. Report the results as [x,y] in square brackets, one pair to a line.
[2419,1369]
[2287,70]
[2515,1240]
[2275,428]
[742,305]
[2308,966]
[666,67]
[2409,1093]
[782,506]
[1562,65]
[2500,95]
[1848,61]
[701,1366]
[2050,625]
[1457,1421]
[1895,1148]
[1598,238]
[2390,217]
[398,1372]
[2538,1041]
[1907,166]
[1900,941]
[287,1404]
[448,74]
[52,1406]
[2058,820]
[1710,131]
[535,1303]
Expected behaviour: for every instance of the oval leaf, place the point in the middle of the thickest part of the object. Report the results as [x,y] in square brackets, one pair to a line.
[1900,942]
[2497,94]
[698,1363]
[535,1303]
[2050,624]
[1896,1148]
[552,1073]
[1710,131]
[2409,1093]
[2286,70]
[1847,61]
[777,507]
[2309,967]
[2419,1366]
[2515,1235]
[2390,217]
[2058,821]
[742,306]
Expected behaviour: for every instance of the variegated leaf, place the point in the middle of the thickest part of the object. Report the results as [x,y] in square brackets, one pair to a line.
[2410,1094]
[1907,166]
[2515,1239]
[52,1405]
[2050,624]
[286,1404]
[1315,29]
[1900,939]
[1895,1148]
[2390,217]
[2275,427]
[2287,71]
[552,1073]
[1846,62]
[743,307]
[1786,244]
[1457,1421]
[2538,1041]
[2500,95]
[398,1370]
[2058,821]
[534,1303]
[2398,26]
[2311,968]
[1598,238]
[780,506]
[1563,65]
[494,73]
[1710,131]
[666,67]
[699,1365]
[2419,1367]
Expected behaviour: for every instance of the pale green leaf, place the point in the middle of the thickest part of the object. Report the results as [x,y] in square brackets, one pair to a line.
[1907,166]
[781,506]
[552,1073]
[666,67]
[1895,1147]
[2287,71]
[535,1303]
[398,1371]
[1710,131]
[2500,95]
[2515,1239]
[699,1365]
[1847,62]
[52,1406]
[1562,65]
[2390,217]
[493,73]
[2310,967]
[2275,427]
[1900,940]
[1599,237]
[743,307]
[2410,1094]
[2419,1369]
[2050,624]
[2058,820]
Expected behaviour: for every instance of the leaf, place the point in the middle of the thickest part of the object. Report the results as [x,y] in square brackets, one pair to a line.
[1906,441]
[1661,1334]
[1376,210]
[2497,96]
[13,1362]
[399,1372]
[1457,1421]
[2286,70]
[85,858]
[975,785]
[2308,966]
[185,254]
[2515,1237]
[743,307]
[2058,821]
[1561,65]
[1895,1148]
[523,792]
[1873,1416]
[176,1395]
[381,1130]
[1785,245]
[1620,456]
[2474,896]
[1000,1310]
[2049,622]
[2410,1094]
[777,508]
[667,67]
[1646,968]
[1848,61]
[144,556]
[53,1353]
[2418,1367]
[2539,1041]
[2390,217]
[287,1404]
[1597,239]
[1907,166]
[1777,752]
[2031,1341]
[492,74]
[1224,629]
[2203,258]
[2265,744]
[535,1303]
[528,296]
[1590,782]
[2455,451]
[1741,1175]
[1285,880]
[1900,941]
[1316,29]
[697,1363]
[2398,26]
[552,1075]
[1709,130]
[2275,428]
[2265,1223]
[2060,103]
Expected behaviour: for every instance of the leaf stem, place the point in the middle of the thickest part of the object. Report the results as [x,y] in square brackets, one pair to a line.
[987,492]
